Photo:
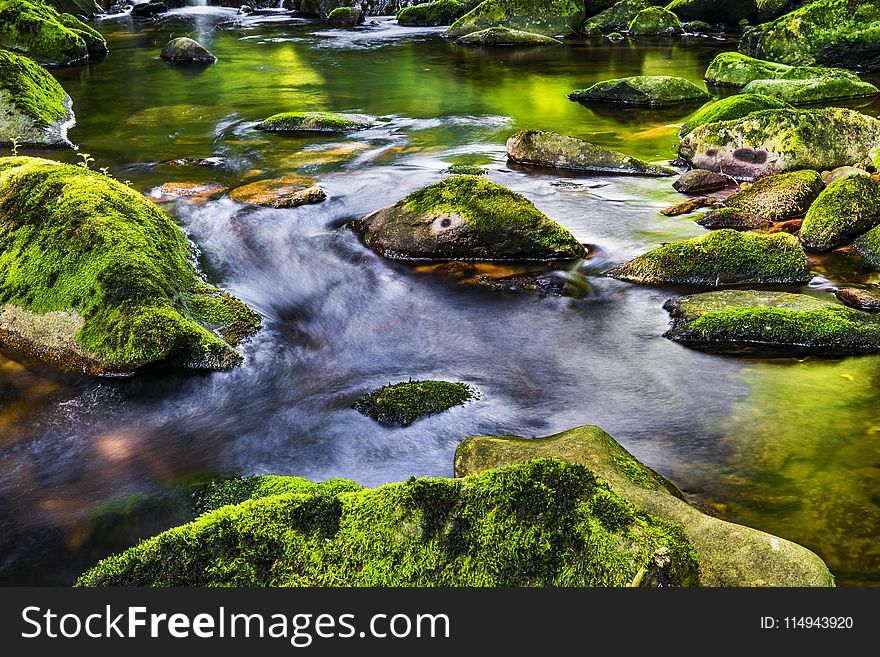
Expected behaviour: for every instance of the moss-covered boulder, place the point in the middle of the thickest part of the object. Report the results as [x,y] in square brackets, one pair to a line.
[723,257]
[404,403]
[868,246]
[349,16]
[44,35]
[547,522]
[442,12]
[730,12]
[751,322]
[732,107]
[310,122]
[504,36]
[184,49]
[466,218]
[95,279]
[649,90]
[733,69]
[774,198]
[700,181]
[655,21]
[34,109]
[834,32]
[774,141]
[288,191]
[620,15]
[550,149]
[813,90]
[547,17]
[75,7]
[728,554]
[845,209]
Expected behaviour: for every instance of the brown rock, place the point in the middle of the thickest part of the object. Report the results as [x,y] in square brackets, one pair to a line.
[287,192]
[868,300]
[692,205]
[700,181]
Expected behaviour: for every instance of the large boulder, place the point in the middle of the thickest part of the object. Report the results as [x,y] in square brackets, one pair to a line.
[752,322]
[835,32]
[649,90]
[845,209]
[774,141]
[774,198]
[733,69]
[728,554]
[655,21]
[347,16]
[732,107]
[812,90]
[722,257]
[504,36]
[95,279]
[547,17]
[618,17]
[729,12]
[552,150]
[44,35]
[466,218]
[34,109]
[441,12]
[186,50]
[311,122]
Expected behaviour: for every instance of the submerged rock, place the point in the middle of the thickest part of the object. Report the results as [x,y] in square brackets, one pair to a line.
[845,209]
[620,15]
[774,141]
[774,198]
[655,21]
[347,16]
[34,109]
[728,554]
[700,181]
[404,403]
[732,107]
[751,322]
[689,206]
[650,90]
[730,12]
[466,218]
[547,17]
[315,122]
[722,257]
[44,35]
[184,49]
[867,300]
[441,12]
[287,192]
[812,90]
[504,36]
[95,279]
[550,149]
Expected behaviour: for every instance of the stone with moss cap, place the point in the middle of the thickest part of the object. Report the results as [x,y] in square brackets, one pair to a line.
[441,12]
[751,322]
[404,403]
[732,107]
[550,149]
[620,15]
[315,122]
[774,198]
[44,35]
[504,36]
[547,17]
[649,90]
[655,21]
[733,69]
[834,32]
[773,141]
[466,218]
[845,209]
[184,49]
[345,17]
[728,554]
[288,191]
[723,257]
[812,90]
[730,12]
[95,279]
[34,109]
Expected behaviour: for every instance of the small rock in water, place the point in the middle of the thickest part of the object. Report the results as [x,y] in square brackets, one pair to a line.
[700,181]
[502,36]
[245,10]
[184,49]
[868,300]
[649,90]
[287,192]
[307,122]
[692,205]
[790,226]
[345,17]
[196,191]
[404,403]
[196,162]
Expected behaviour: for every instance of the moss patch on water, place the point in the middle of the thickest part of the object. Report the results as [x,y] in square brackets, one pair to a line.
[732,107]
[404,403]
[33,91]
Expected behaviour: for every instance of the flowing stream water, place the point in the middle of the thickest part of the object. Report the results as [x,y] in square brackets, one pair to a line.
[788,446]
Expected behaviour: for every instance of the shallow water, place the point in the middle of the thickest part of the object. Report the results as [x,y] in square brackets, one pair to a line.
[789,447]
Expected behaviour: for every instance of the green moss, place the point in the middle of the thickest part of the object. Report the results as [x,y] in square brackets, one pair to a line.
[543,523]
[504,36]
[404,403]
[442,12]
[652,90]
[620,15]
[730,12]
[732,107]
[812,90]
[466,170]
[220,311]
[546,17]
[76,239]
[845,209]
[736,69]
[33,92]
[723,257]
[655,21]
[314,122]
[41,33]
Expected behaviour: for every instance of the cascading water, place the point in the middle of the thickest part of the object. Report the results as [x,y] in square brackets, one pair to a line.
[196,3]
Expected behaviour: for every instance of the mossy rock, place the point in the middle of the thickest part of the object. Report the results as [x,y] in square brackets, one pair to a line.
[404,403]
[728,554]
[466,218]
[774,198]
[700,181]
[34,109]
[655,21]
[845,209]
[504,36]
[286,192]
[698,27]
[349,16]
[649,90]
[184,49]
[774,141]
[95,279]
[732,107]
[814,90]
[148,9]
[75,7]
[552,150]
[868,247]
[44,35]
[548,522]
[829,177]
[722,257]
[768,10]
[547,17]
[730,12]
[431,14]
[834,32]
[733,69]
[762,323]
[465,170]
[311,122]
[620,15]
